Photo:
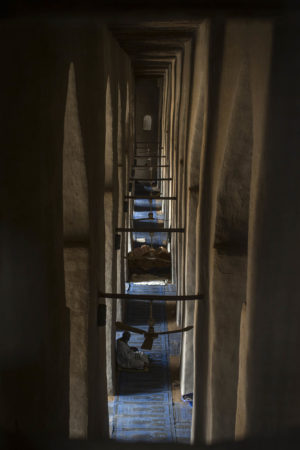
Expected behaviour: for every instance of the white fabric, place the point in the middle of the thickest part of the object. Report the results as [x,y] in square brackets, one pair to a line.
[128,358]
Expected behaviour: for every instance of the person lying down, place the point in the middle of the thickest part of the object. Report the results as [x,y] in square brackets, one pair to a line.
[145,259]
[130,357]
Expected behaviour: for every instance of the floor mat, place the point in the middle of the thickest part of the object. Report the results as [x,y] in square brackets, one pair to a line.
[156,240]
[143,409]
[143,204]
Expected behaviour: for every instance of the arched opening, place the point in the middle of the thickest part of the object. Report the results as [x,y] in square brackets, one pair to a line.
[147,123]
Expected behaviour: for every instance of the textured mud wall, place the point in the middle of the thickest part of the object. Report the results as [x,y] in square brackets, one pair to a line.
[223,216]
[38,123]
[76,263]
[170,143]
[174,185]
[76,259]
[99,94]
[110,256]
[248,215]
[88,54]
[182,158]
[123,146]
[270,377]
[186,356]
[231,216]
[195,140]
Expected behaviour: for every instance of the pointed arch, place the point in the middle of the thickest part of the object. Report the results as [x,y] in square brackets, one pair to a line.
[147,122]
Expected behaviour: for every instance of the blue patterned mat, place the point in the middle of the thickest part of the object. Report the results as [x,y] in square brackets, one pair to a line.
[144,214]
[141,208]
[143,409]
[158,238]
[143,204]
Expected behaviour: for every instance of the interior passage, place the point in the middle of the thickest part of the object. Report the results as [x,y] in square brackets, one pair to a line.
[144,407]
[107,106]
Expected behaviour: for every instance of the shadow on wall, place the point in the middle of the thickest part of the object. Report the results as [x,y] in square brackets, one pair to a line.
[110,258]
[76,259]
[234,190]
[230,258]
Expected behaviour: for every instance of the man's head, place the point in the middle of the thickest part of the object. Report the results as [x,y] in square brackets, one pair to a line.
[126,336]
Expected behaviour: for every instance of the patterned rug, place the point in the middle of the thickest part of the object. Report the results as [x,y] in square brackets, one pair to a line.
[143,204]
[143,410]
[141,208]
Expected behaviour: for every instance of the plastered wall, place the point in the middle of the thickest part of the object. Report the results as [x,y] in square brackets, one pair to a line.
[238,387]
[53,372]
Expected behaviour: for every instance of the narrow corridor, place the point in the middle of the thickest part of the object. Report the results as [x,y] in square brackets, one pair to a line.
[200,99]
[147,405]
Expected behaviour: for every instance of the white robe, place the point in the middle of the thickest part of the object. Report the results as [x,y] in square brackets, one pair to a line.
[128,358]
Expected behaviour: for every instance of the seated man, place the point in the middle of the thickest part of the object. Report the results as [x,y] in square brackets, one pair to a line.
[130,357]
[155,189]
